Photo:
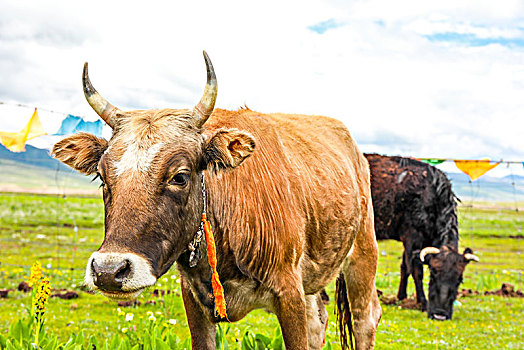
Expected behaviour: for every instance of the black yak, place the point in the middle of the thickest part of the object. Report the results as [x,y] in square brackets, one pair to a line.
[413,203]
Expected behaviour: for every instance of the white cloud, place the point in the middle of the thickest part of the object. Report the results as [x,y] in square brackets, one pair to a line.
[397,91]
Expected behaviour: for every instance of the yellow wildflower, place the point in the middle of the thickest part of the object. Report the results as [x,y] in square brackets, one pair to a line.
[36,274]
[43,292]
[40,293]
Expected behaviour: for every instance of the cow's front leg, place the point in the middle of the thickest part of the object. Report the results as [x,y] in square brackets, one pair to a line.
[290,308]
[418,276]
[202,330]
[404,275]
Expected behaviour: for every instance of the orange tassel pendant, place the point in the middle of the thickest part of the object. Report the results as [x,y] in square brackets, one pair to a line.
[218,289]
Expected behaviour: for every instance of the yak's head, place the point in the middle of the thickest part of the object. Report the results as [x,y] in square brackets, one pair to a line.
[150,171]
[446,268]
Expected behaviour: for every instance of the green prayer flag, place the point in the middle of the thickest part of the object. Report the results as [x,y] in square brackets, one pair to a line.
[432,161]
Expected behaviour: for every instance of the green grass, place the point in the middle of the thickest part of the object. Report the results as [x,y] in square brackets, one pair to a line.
[38,227]
[479,323]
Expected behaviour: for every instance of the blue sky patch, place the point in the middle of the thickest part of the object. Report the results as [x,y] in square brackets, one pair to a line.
[323,27]
[473,40]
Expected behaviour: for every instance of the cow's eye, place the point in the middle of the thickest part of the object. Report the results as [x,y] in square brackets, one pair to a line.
[180,179]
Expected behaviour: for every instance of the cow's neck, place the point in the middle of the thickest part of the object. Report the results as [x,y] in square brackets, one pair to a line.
[198,275]
[193,263]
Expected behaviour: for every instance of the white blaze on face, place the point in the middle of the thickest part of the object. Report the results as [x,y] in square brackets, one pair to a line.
[137,158]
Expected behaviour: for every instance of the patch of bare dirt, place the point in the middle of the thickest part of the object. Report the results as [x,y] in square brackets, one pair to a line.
[408,303]
[68,295]
[506,290]
[129,303]
[4,292]
[24,287]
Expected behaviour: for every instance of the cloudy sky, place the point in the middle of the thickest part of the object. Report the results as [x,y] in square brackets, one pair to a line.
[416,78]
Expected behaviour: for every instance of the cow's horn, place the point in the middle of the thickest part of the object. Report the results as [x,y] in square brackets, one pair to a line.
[205,107]
[469,257]
[428,250]
[104,109]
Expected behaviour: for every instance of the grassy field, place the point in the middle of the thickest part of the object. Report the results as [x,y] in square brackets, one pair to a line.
[18,177]
[62,232]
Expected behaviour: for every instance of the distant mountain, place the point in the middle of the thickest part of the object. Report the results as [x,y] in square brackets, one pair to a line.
[33,156]
[514,177]
[36,171]
[486,188]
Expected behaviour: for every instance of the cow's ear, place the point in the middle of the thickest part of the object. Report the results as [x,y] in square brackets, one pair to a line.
[227,149]
[81,152]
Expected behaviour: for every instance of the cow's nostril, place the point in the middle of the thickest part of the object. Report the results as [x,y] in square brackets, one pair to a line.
[123,271]
[110,276]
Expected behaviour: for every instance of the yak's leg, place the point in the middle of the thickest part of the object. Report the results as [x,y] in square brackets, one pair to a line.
[418,276]
[290,308]
[317,321]
[359,272]
[404,275]
[202,330]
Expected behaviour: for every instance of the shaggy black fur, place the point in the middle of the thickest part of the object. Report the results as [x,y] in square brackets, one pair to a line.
[413,203]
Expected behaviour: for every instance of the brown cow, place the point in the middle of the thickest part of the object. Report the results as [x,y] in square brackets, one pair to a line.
[285,221]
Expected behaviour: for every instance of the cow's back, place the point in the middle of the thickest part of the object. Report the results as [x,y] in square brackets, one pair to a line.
[296,201]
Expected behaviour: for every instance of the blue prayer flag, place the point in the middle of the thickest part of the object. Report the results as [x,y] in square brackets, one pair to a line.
[72,124]
[68,125]
[94,128]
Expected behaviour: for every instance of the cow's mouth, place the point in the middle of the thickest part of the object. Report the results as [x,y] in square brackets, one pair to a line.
[121,295]
[439,317]
[118,276]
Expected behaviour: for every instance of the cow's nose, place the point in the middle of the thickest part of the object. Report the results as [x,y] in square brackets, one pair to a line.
[108,276]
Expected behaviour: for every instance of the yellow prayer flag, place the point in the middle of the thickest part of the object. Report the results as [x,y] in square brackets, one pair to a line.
[475,168]
[15,141]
